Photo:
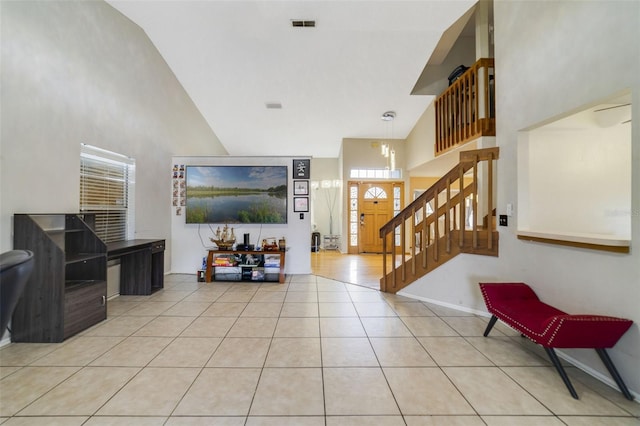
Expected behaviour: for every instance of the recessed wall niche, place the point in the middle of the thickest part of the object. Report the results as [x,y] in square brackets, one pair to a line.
[574,175]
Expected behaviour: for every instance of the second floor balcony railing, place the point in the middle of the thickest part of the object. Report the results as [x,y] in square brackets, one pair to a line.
[466,110]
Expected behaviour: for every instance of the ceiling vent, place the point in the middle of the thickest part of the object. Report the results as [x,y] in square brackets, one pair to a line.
[273,105]
[301,23]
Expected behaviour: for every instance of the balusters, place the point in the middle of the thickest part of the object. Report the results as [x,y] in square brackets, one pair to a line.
[475,202]
[434,229]
[403,229]
[423,240]
[464,110]
[462,207]
[447,217]
[490,201]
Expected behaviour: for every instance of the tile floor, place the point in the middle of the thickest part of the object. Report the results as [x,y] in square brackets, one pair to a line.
[312,351]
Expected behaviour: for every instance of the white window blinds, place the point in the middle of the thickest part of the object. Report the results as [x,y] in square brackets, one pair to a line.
[106,188]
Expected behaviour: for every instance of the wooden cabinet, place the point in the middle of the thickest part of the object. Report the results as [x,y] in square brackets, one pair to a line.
[141,265]
[242,265]
[157,265]
[66,292]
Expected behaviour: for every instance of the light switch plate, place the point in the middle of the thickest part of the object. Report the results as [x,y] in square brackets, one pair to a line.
[509,209]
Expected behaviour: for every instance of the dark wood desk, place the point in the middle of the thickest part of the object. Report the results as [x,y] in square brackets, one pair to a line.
[141,265]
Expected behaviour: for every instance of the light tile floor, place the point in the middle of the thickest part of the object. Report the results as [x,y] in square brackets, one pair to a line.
[312,351]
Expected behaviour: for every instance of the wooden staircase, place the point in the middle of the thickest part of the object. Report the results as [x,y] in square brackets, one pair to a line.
[442,222]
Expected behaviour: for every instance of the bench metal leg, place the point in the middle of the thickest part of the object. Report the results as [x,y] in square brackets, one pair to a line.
[492,322]
[556,363]
[604,356]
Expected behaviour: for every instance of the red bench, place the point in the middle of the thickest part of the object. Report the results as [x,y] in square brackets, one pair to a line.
[517,305]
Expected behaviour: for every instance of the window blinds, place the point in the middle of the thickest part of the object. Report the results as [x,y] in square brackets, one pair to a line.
[105,181]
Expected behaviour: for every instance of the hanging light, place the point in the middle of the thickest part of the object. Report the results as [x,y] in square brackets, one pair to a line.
[387,148]
[392,160]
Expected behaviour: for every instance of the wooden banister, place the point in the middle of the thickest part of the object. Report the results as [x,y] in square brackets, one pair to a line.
[433,235]
[466,110]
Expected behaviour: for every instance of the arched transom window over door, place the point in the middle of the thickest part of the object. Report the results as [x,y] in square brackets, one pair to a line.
[375,192]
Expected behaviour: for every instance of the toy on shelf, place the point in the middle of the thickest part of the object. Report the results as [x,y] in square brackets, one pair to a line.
[269,244]
[224,239]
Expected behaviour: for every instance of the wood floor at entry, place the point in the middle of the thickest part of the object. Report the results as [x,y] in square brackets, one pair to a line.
[361,269]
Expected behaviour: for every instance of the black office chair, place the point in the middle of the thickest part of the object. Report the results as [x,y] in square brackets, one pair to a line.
[15,268]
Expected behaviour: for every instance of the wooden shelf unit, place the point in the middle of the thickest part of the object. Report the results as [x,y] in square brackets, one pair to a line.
[239,273]
[66,292]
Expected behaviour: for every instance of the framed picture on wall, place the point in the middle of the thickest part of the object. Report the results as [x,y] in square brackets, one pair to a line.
[300,204]
[300,187]
[301,169]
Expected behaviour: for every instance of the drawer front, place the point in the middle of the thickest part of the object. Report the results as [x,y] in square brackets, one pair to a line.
[157,246]
[84,306]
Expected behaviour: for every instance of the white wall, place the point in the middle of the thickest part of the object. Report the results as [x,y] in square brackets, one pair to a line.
[551,58]
[326,169]
[77,72]
[365,154]
[436,81]
[190,241]
[575,177]
[421,140]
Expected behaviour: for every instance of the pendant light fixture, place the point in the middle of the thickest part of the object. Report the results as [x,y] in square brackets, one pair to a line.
[387,148]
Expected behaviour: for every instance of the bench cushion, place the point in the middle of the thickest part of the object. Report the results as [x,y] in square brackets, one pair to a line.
[518,306]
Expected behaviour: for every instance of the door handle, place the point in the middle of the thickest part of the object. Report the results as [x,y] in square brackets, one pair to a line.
[361,219]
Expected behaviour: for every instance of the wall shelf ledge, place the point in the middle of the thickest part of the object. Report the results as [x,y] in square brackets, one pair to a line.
[605,242]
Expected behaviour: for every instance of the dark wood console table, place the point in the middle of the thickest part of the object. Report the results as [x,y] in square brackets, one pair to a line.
[210,258]
[141,265]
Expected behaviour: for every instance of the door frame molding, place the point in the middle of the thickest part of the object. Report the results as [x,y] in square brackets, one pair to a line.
[347,212]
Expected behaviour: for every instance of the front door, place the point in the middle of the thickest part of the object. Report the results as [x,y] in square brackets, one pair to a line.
[376,209]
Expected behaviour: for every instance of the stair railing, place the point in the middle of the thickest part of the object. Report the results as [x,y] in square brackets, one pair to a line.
[466,110]
[442,222]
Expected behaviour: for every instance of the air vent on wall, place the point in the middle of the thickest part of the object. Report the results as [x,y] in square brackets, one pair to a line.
[302,23]
[273,105]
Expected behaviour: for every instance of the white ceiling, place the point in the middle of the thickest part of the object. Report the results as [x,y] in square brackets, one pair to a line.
[334,81]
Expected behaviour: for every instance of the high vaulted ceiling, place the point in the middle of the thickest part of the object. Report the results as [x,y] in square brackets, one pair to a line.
[333,80]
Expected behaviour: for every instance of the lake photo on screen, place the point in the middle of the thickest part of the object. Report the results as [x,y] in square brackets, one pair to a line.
[236,194]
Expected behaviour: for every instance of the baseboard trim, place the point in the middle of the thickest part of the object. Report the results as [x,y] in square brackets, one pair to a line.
[445,304]
[596,374]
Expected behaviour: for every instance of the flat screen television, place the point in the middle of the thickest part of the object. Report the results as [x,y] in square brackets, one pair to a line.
[236,194]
